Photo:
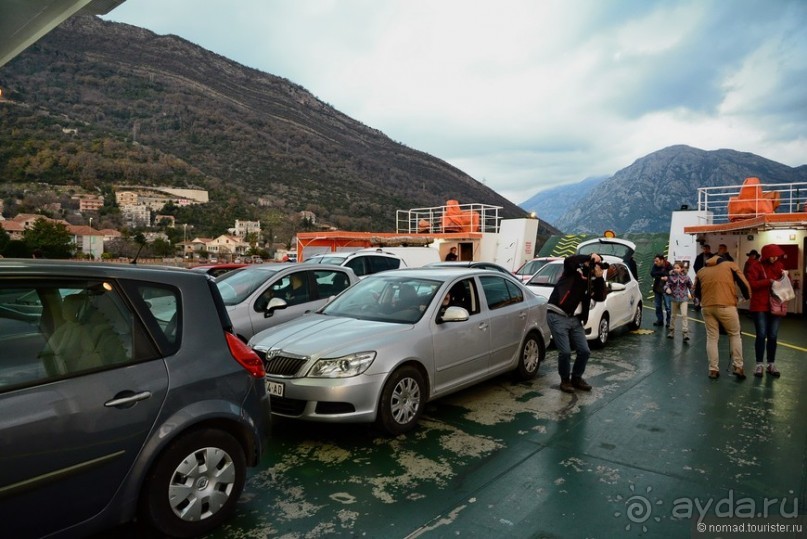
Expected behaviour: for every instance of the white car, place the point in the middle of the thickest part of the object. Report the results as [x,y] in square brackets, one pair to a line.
[622,305]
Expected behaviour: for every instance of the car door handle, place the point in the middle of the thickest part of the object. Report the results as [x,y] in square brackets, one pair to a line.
[483,326]
[130,399]
[522,315]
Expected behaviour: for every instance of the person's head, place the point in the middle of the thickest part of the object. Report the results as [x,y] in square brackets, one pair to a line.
[659,260]
[453,250]
[771,252]
[722,249]
[678,267]
[706,248]
[447,300]
[753,254]
[296,281]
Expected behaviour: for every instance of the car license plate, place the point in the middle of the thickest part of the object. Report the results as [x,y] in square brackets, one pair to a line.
[274,388]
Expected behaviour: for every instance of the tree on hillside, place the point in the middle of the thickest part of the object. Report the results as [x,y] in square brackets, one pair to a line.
[53,240]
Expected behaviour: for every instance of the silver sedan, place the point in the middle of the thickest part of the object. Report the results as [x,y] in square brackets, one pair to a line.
[399,339]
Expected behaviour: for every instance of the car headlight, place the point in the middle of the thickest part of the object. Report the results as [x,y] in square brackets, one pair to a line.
[342,367]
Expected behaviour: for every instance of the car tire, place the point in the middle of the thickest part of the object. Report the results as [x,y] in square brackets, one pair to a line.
[530,358]
[636,323]
[195,484]
[402,401]
[603,329]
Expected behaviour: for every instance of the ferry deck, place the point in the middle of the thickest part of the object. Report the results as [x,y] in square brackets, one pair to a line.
[657,449]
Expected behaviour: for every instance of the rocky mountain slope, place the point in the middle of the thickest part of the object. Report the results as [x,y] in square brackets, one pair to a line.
[553,203]
[160,110]
[641,197]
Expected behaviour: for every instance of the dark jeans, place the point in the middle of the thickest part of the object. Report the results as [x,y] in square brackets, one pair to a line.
[665,300]
[766,327]
[568,330]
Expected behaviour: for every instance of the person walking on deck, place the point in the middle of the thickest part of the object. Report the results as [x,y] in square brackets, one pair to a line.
[680,285]
[760,275]
[716,286]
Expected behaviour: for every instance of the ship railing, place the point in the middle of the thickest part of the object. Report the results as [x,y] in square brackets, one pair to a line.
[459,218]
[791,198]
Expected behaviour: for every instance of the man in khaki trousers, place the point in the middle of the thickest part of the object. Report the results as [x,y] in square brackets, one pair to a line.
[716,286]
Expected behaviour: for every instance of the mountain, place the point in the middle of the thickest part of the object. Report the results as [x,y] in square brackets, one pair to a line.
[552,204]
[97,103]
[641,197]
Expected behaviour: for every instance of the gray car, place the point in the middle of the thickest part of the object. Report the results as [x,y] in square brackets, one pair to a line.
[123,393]
[265,295]
[398,339]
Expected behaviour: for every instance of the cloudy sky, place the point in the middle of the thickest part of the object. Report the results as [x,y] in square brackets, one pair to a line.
[526,95]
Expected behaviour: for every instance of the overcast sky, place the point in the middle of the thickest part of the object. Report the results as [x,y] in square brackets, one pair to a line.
[526,95]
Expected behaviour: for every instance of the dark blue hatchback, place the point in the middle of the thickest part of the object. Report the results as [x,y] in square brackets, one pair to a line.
[124,394]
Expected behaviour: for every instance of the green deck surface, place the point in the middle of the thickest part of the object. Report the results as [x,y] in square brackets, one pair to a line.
[654,442]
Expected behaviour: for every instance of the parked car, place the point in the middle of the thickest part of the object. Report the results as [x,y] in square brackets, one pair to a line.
[363,262]
[622,305]
[471,264]
[398,339]
[531,267]
[217,269]
[622,249]
[124,394]
[261,296]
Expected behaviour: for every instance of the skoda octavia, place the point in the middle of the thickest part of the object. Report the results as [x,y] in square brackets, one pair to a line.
[398,339]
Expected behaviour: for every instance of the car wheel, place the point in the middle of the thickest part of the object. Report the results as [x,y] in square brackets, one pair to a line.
[402,401]
[532,354]
[636,323]
[603,329]
[194,485]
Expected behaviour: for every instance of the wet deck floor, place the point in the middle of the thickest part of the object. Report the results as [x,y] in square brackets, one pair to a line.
[655,443]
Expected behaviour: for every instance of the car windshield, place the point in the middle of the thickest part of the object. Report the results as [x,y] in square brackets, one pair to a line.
[335,260]
[549,275]
[237,285]
[531,267]
[396,299]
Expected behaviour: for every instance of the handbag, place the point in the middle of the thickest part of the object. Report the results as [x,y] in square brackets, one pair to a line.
[778,307]
[782,288]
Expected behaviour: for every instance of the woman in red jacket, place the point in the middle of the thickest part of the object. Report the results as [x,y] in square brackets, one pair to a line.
[760,274]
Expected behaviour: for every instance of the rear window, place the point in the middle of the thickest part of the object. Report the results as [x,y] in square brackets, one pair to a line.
[500,292]
[52,329]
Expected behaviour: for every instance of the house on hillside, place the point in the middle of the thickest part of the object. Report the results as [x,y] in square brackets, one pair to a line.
[227,246]
[88,241]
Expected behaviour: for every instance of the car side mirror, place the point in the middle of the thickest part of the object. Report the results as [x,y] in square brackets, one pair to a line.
[274,304]
[454,314]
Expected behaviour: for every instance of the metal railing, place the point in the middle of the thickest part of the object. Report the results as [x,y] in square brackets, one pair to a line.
[781,197]
[447,219]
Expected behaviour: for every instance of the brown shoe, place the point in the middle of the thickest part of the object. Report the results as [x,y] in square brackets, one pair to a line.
[739,373]
[714,374]
[566,386]
[582,385]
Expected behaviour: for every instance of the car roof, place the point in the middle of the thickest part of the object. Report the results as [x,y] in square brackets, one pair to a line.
[221,266]
[282,266]
[110,270]
[441,273]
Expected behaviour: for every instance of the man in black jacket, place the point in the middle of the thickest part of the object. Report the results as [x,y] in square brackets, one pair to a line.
[567,312]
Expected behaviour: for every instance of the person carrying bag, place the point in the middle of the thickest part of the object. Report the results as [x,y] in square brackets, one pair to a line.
[767,309]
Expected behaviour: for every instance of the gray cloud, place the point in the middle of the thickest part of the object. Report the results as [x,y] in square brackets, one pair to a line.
[525,95]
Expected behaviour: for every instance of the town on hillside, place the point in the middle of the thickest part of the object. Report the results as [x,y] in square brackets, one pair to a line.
[146,232]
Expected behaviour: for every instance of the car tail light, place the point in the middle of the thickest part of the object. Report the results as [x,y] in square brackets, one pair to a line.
[244,355]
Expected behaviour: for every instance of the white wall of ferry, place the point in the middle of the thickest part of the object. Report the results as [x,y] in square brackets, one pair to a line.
[685,247]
